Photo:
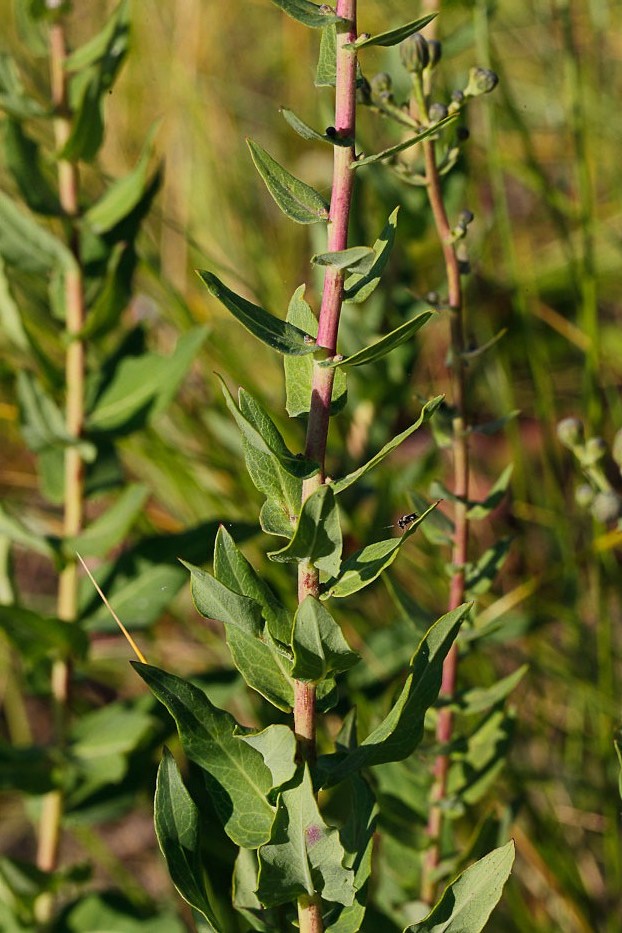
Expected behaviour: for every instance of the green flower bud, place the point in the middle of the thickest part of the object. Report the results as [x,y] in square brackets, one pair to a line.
[414,53]
[606,507]
[465,217]
[594,450]
[437,112]
[584,495]
[381,88]
[481,81]
[570,432]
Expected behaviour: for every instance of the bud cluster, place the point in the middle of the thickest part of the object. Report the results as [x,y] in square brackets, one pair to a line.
[598,494]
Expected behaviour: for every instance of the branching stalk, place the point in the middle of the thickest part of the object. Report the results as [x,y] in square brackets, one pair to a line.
[460,451]
[309,910]
[67,598]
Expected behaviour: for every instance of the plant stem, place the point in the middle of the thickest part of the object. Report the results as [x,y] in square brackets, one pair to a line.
[309,910]
[67,597]
[460,451]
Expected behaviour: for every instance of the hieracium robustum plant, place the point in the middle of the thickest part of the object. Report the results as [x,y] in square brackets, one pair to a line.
[267,788]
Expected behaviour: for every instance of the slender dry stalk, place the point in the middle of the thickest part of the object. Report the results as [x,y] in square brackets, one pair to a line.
[67,597]
[460,451]
[309,910]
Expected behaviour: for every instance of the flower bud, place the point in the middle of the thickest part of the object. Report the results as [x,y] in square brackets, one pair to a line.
[606,507]
[414,53]
[457,97]
[435,49]
[594,450]
[570,432]
[584,495]
[465,217]
[437,112]
[381,88]
[481,81]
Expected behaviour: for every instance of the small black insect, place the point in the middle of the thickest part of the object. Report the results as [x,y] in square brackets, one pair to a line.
[405,520]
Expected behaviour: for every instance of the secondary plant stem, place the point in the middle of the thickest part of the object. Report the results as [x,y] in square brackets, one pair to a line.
[460,449]
[67,597]
[309,910]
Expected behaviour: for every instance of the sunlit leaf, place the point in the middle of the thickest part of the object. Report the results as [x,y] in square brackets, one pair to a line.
[318,643]
[385,345]
[297,200]
[317,537]
[358,287]
[393,36]
[406,144]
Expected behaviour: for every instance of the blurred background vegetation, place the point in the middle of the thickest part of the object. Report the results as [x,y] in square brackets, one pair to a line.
[541,172]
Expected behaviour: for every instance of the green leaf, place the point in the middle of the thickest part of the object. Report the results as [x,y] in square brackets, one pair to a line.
[19,533]
[10,317]
[326,71]
[307,132]
[399,734]
[277,747]
[237,778]
[480,576]
[479,699]
[114,295]
[262,665]
[101,913]
[123,195]
[468,902]
[406,144]
[100,743]
[109,529]
[24,163]
[356,259]
[304,855]
[480,510]
[87,132]
[357,287]
[299,369]
[111,40]
[43,424]
[297,200]
[426,413]
[245,898]
[318,643]
[28,770]
[143,386]
[477,763]
[317,537]
[275,519]
[263,426]
[177,827]
[13,97]
[233,570]
[385,345]
[271,330]
[364,566]
[310,14]
[37,637]
[393,36]
[28,246]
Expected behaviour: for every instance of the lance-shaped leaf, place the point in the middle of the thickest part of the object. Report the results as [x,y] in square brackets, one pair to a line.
[318,643]
[277,747]
[326,71]
[297,200]
[245,898]
[23,160]
[255,414]
[233,569]
[364,566]
[468,902]
[113,34]
[475,767]
[355,259]
[11,322]
[399,734]
[28,246]
[477,510]
[426,413]
[19,533]
[299,369]
[177,827]
[304,855]
[358,287]
[480,576]
[307,132]
[479,699]
[406,144]
[357,836]
[385,345]
[111,527]
[255,654]
[114,294]
[317,537]
[392,36]
[236,777]
[271,330]
[121,197]
[142,386]
[308,13]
